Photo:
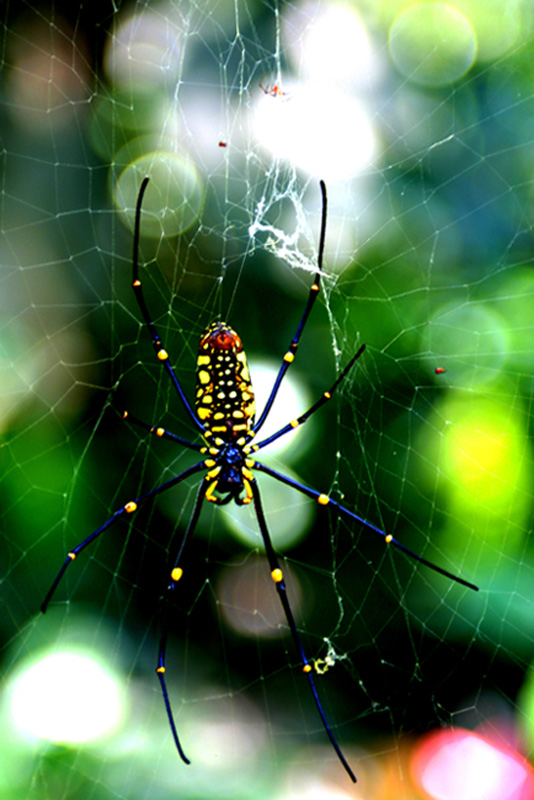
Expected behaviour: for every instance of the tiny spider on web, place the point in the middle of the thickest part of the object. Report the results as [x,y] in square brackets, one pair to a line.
[273,89]
[224,416]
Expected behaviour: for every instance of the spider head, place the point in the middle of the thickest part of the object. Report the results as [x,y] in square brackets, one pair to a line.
[219,337]
[224,397]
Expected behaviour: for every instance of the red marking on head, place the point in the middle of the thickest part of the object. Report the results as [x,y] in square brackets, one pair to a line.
[224,338]
[439,370]
[222,144]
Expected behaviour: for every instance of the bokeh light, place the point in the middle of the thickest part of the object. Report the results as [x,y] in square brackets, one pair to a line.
[144,53]
[476,449]
[49,75]
[249,602]
[323,130]
[471,341]
[66,696]
[174,195]
[432,44]
[329,44]
[462,765]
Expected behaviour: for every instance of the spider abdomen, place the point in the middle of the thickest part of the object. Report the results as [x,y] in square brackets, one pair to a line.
[224,397]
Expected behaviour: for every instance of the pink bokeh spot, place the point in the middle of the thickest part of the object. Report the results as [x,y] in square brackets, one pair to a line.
[462,765]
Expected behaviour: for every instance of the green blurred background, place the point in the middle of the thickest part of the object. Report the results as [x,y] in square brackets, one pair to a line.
[419,117]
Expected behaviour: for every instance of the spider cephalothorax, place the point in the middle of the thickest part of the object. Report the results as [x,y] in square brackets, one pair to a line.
[229,475]
[224,415]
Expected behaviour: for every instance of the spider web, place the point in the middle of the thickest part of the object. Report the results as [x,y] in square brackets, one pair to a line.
[427,156]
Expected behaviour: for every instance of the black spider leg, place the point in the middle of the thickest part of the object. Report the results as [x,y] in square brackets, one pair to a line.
[324,500]
[176,574]
[162,432]
[278,578]
[126,509]
[161,353]
[314,291]
[312,409]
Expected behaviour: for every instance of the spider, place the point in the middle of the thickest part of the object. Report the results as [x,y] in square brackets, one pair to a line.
[224,416]
[273,89]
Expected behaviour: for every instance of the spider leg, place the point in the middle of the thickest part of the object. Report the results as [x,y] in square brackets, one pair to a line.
[161,353]
[176,574]
[278,578]
[126,509]
[312,409]
[314,291]
[324,500]
[162,432]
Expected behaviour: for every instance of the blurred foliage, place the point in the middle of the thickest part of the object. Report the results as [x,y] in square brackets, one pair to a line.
[429,438]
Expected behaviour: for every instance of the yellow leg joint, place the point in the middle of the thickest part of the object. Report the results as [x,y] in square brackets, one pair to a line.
[388,538]
[289,357]
[161,670]
[130,507]
[277,575]
[160,431]
[176,574]
[72,556]
[163,355]
[209,492]
[248,490]
[307,668]
[137,282]
[323,499]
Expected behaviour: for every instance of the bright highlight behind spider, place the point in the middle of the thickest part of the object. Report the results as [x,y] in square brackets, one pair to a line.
[66,696]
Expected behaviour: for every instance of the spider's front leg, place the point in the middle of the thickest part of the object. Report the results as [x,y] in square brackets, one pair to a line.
[314,291]
[161,353]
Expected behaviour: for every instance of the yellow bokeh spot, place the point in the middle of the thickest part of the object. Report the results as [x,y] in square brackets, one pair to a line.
[483,450]
[481,459]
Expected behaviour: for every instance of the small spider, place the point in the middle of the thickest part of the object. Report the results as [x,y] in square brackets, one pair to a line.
[273,89]
[224,416]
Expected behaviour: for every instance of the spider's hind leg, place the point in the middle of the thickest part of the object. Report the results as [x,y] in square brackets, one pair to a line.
[278,578]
